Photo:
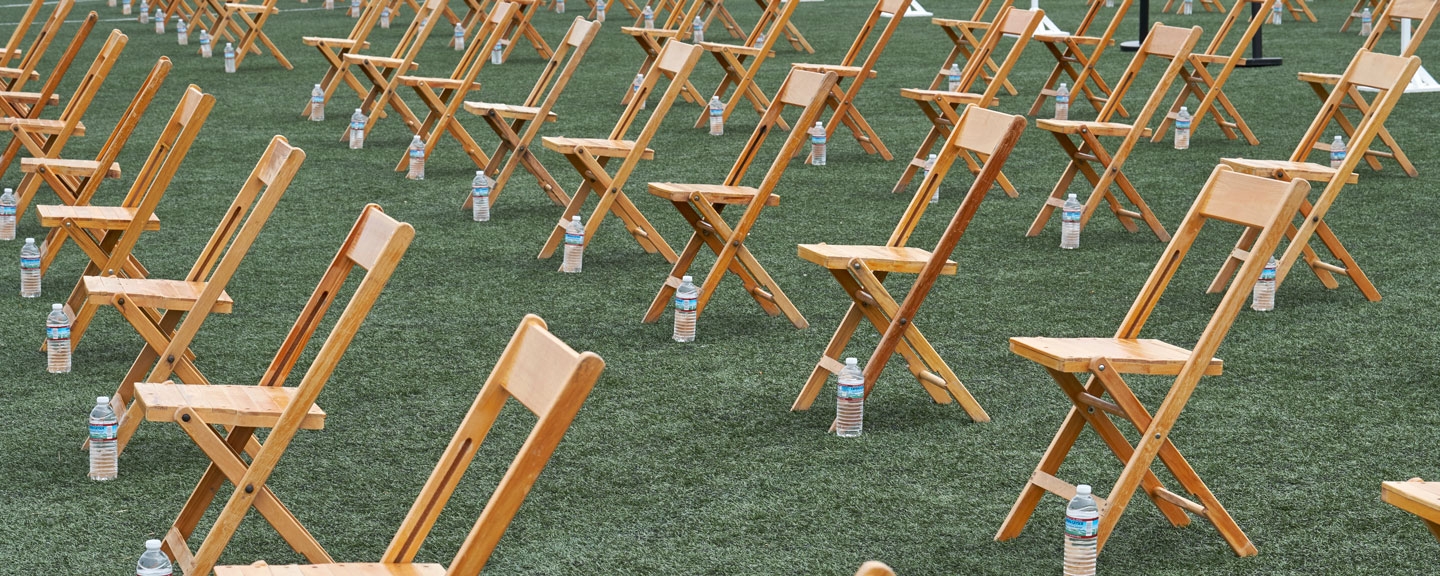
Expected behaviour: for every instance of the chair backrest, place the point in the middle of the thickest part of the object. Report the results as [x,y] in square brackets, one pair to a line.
[804,89]
[94,77]
[1420,12]
[1012,22]
[12,46]
[31,59]
[549,379]
[62,66]
[1093,13]
[984,7]
[477,54]
[874,568]
[894,8]
[369,17]
[1164,42]
[675,62]
[561,67]
[1385,74]
[120,136]
[1264,205]
[417,33]
[1236,51]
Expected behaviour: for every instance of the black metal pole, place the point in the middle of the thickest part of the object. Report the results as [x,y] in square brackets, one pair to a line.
[1134,45]
[1257,57]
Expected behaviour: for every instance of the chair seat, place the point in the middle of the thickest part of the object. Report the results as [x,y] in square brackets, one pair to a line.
[1054,38]
[250,7]
[715,193]
[1212,58]
[228,405]
[1317,78]
[437,83]
[1276,168]
[41,126]
[28,97]
[8,72]
[326,41]
[67,167]
[731,48]
[92,217]
[902,260]
[153,293]
[379,61]
[595,146]
[923,95]
[506,110]
[957,23]
[1141,356]
[346,569]
[841,71]
[1416,497]
[1096,128]
[657,32]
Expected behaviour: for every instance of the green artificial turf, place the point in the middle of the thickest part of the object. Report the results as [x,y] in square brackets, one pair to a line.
[686,459]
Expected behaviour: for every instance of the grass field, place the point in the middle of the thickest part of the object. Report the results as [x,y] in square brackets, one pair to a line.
[686,459]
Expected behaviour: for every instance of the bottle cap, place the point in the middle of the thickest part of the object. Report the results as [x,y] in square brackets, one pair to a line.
[317,85]
[479,172]
[852,362]
[1072,197]
[152,544]
[357,110]
[819,125]
[574,218]
[29,240]
[686,278]
[1082,490]
[56,306]
[102,399]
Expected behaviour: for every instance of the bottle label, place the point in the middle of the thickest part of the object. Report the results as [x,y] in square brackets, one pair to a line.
[360,126]
[61,332]
[1182,124]
[30,263]
[1337,156]
[317,99]
[851,391]
[685,304]
[104,430]
[7,210]
[1267,274]
[817,140]
[417,154]
[715,112]
[574,239]
[1070,216]
[1082,528]
[480,191]
[1062,99]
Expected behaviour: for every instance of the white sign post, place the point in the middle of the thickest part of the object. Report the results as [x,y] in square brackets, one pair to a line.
[1047,26]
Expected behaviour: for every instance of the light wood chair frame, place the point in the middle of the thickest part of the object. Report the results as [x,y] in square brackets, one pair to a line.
[14,79]
[384,73]
[1376,6]
[963,35]
[741,65]
[1068,50]
[333,51]
[247,21]
[1209,87]
[651,40]
[12,49]
[1417,497]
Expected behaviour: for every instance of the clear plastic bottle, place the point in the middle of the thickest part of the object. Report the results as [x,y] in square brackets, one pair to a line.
[1070,223]
[104,427]
[354,8]
[760,40]
[1182,129]
[1109,3]
[1062,102]
[952,77]
[459,42]
[1263,298]
[144,11]
[1365,21]
[159,21]
[229,58]
[417,159]
[697,31]
[1082,529]
[110,3]
[182,32]
[717,116]
[559,6]
[7,214]
[687,297]
[57,340]
[317,104]
[328,5]
[29,269]
[357,130]
[1187,7]
[385,18]
[480,195]
[635,88]
[497,54]
[1275,15]
[574,246]
[153,562]
[647,16]
[930,166]
[599,10]
[1337,152]
[205,50]
[817,144]
[125,8]
[850,400]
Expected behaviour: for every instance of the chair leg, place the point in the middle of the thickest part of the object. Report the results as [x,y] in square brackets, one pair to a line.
[830,359]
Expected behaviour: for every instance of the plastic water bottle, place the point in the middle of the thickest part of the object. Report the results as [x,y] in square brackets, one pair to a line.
[357,130]
[1062,102]
[1182,129]
[1365,20]
[497,54]
[1337,152]
[480,195]
[104,426]
[354,8]
[1263,299]
[1187,7]
[328,5]
[635,88]
[205,50]
[417,159]
[460,38]
[385,18]
[182,32]
[717,116]
[229,58]
[1070,223]
[559,6]
[317,104]
[599,10]
[697,31]
[1109,3]
[110,3]
[29,269]
[574,246]
[125,8]
[1275,14]
[687,298]
[153,562]
[648,16]
[159,21]
[817,144]
[929,166]
[57,340]
[952,76]
[1082,529]
[7,214]
[850,400]
[760,40]
[144,11]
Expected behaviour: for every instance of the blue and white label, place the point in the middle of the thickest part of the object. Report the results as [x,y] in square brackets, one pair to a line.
[357,126]
[1337,156]
[57,332]
[417,154]
[1182,124]
[574,239]
[686,304]
[7,210]
[29,263]
[1069,216]
[1082,528]
[851,391]
[480,191]
[1267,274]
[817,140]
[107,431]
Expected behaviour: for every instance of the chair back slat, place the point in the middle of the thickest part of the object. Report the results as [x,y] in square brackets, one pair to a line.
[477,54]
[12,46]
[561,66]
[1421,13]
[57,74]
[892,7]
[246,215]
[418,31]
[538,370]
[129,119]
[675,63]
[1165,42]
[94,77]
[31,59]
[1009,22]
[1388,75]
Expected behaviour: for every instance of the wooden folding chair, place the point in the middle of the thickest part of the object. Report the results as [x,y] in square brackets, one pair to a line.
[590,156]
[873,568]
[790,30]
[1422,13]
[1260,205]
[545,376]
[741,64]
[333,50]
[517,126]
[651,40]
[14,79]
[1376,7]
[1163,42]
[701,204]
[1387,76]
[1417,497]
[43,138]
[374,245]
[443,96]
[248,22]
[521,27]
[12,48]
[861,270]
[1299,8]
[629,5]
[1069,52]
[942,106]
[962,34]
[383,73]
[1209,87]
